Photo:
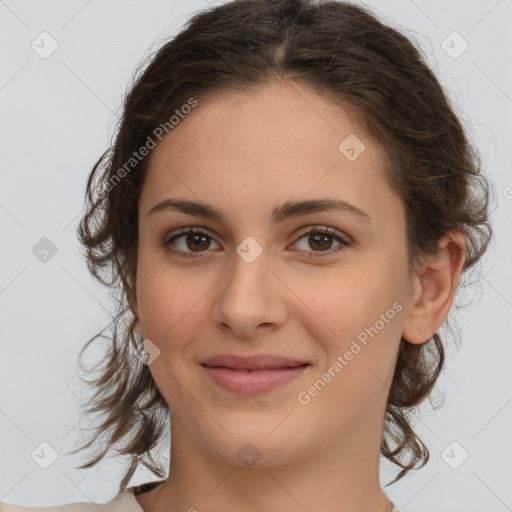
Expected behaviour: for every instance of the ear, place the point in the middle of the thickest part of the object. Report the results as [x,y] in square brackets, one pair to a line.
[435,289]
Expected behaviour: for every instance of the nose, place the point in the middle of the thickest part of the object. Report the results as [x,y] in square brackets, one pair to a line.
[251,299]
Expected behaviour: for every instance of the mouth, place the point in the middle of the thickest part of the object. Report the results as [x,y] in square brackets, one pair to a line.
[254,376]
[252,362]
[251,370]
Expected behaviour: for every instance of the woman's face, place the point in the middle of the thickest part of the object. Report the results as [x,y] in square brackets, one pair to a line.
[267,279]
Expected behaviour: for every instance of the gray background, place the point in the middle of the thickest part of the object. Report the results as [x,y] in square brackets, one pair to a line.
[58,115]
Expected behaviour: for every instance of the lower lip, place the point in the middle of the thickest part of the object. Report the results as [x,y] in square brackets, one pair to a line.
[251,382]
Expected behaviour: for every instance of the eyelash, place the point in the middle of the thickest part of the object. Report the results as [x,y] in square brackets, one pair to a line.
[324,230]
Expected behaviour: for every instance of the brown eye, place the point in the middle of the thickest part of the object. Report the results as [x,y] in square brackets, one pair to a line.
[197,242]
[320,239]
[188,242]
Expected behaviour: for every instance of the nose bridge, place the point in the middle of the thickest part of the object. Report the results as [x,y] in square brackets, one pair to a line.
[248,296]
[249,271]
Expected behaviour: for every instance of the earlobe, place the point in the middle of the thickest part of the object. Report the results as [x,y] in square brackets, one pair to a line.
[138,325]
[133,307]
[435,289]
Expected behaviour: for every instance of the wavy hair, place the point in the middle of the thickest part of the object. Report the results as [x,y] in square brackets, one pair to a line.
[369,70]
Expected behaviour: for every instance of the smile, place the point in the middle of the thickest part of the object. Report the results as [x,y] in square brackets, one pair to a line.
[251,382]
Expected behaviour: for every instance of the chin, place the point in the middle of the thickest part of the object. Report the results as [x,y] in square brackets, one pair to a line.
[257,450]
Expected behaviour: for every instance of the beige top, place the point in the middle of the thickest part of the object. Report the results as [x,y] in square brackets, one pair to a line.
[124,502]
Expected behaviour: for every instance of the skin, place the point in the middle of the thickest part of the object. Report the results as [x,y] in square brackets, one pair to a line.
[246,153]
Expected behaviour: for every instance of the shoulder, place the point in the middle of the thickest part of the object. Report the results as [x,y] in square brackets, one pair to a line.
[124,502]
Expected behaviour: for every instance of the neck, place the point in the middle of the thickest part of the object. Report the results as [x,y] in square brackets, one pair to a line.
[338,475]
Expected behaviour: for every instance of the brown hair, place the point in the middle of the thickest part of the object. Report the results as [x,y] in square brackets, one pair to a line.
[369,70]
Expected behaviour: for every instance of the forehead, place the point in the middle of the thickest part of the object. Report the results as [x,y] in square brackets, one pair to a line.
[267,147]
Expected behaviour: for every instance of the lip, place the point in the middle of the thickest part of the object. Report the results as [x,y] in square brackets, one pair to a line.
[253,362]
[251,382]
[250,375]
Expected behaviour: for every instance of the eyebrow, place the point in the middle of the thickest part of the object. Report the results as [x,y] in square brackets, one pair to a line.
[279,214]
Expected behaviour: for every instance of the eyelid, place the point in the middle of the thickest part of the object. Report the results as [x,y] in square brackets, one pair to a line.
[301,232]
[188,229]
[326,229]
[345,240]
[185,231]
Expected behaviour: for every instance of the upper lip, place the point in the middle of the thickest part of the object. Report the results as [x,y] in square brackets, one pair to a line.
[254,362]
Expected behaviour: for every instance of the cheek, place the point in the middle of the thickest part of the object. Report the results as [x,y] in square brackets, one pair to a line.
[173,305]
[360,317]
[360,333]
[349,299]
[169,312]
[163,300]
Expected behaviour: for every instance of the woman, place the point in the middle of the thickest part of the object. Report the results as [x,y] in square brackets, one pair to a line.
[288,208]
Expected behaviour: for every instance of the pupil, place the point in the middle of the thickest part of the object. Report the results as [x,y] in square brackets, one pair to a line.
[198,237]
[320,237]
